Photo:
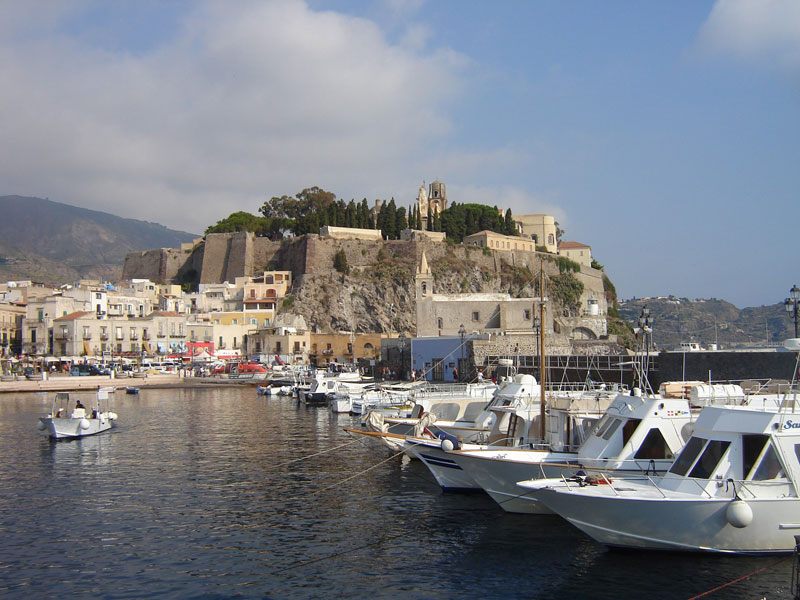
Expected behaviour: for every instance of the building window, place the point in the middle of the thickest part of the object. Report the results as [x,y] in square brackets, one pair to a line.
[527,315]
[550,239]
[476,316]
[440,323]
[424,290]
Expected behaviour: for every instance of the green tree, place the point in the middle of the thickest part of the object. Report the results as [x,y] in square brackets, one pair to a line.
[340,262]
[400,222]
[244,221]
[510,225]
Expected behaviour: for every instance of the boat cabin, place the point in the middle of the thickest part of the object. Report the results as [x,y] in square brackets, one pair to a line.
[756,451]
[638,433]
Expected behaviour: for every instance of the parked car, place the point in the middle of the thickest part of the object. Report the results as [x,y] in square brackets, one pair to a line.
[79,370]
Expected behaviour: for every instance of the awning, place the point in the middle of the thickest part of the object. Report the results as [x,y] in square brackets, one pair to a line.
[146,347]
[86,347]
[162,347]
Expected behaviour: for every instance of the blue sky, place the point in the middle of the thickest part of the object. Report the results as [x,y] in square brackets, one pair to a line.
[666,135]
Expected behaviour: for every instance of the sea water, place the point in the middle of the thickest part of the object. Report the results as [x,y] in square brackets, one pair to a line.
[222,493]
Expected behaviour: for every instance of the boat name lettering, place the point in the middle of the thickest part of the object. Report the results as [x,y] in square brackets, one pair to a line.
[791,425]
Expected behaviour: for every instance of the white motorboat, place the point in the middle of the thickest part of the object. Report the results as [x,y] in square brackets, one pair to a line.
[516,423]
[80,421]
[733,488]
[636,434]
[325,383]
[390,400]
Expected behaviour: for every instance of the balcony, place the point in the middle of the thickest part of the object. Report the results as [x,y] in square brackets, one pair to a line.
[103,336]
[146,335]
[134,336]
[328,352]
[87,335]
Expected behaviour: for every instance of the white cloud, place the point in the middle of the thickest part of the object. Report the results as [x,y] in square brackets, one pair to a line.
[764,31]
[249,100]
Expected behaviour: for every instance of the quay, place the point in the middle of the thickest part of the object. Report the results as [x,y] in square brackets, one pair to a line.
[68,383]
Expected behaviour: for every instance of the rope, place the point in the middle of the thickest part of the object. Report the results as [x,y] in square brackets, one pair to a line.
[316,454]
[738,579]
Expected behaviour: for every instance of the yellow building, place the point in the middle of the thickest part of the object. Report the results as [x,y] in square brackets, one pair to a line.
[344,347]
[498,241]
[11,316]
[539,228]
[575,251]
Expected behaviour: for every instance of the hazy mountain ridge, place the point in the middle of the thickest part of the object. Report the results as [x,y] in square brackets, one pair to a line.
[709,321]
[53,242]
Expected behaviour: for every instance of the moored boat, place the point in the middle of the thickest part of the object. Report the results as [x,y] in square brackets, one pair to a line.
[733,488]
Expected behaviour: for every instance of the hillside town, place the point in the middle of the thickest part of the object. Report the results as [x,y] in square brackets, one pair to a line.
[241,313]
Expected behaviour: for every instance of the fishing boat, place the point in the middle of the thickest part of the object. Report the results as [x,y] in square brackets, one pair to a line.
[636,434]
[516,429]
[734,488]
[131,390]
[66,422]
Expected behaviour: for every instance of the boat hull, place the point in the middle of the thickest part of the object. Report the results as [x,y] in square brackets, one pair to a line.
[63,428]
[498,476]
[677,524]
[450,476]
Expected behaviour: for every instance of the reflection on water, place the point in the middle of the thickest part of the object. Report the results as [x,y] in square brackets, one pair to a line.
[200,493]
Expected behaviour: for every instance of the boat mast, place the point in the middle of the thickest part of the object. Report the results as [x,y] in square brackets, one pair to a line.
[543,427]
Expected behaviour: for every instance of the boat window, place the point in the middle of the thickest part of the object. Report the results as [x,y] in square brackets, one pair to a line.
[654,446]
[612,428]
[628,429]
[752,447]
[709,459]
[686,458]
[770,467]
[605,421]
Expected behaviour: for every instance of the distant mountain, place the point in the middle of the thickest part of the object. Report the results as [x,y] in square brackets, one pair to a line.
[677,320]
[52,242]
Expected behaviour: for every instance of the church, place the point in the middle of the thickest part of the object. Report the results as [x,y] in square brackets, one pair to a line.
[432,201]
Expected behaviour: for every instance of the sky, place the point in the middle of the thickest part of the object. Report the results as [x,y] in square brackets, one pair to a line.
[665,135]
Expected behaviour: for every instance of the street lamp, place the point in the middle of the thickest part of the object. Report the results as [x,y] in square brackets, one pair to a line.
[462,333]
[646,329]
[792,304]
[402,339]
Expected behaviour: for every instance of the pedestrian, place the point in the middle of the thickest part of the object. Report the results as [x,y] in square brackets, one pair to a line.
[455,373]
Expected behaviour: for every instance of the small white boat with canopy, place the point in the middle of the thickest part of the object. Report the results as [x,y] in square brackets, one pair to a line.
[69,418]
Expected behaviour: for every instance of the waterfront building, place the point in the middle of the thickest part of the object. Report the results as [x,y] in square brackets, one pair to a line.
[11,316]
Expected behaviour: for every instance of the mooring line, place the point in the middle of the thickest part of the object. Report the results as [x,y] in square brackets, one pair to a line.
[313,455]
[742,578]
[393,456]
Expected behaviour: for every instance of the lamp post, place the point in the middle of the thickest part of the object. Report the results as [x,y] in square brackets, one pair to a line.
[402,339]
[462,333]
[646,329]
[791,304]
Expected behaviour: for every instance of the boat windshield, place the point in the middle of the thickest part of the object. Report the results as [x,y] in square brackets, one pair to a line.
[709,459]
[653,446]
[687,457]
[770,466]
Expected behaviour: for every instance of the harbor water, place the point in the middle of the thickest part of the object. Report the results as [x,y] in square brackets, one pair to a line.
[221,493]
